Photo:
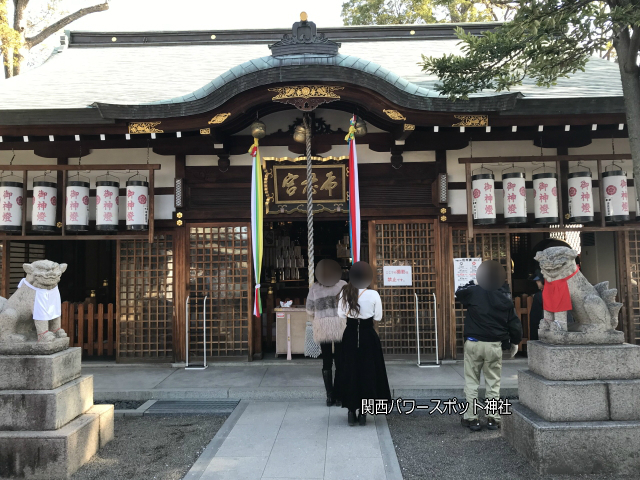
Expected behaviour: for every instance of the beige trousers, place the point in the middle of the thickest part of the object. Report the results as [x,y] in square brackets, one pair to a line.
[483,357]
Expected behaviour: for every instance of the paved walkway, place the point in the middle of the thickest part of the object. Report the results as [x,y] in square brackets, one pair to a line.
[274,380]
[297,440]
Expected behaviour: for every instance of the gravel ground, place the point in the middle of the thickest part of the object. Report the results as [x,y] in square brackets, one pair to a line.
[438,447]
[152,448]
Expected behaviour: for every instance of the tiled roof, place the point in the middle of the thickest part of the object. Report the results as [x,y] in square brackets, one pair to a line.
[80,77]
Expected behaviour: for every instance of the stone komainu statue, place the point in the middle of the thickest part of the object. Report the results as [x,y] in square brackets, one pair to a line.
[32,313]
[593,307]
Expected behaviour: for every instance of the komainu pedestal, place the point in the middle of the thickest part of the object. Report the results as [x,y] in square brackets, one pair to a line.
[579,409]
[49,426]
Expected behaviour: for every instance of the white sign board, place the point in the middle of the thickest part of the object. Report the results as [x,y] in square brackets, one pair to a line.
[397,276]
[464,270]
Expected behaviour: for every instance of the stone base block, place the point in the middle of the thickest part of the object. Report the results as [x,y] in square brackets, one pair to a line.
[34,348]
[39,372]
[596,337]
[573,447]
[106,414]
[579,400]
[53,455]
[584,362]
[45,409]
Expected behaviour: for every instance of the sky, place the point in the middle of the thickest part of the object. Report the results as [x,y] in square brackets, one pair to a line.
[204,14]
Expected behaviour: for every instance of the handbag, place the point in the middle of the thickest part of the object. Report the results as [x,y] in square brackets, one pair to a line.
[311,348]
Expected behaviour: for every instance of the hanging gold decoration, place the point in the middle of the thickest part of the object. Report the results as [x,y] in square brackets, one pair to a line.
[306,97]
[219,118]
[472,121]
[205,131]
[394,115]
[144,127]
[408,127]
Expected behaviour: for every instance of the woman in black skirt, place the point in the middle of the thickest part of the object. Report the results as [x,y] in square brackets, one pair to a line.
[364,376]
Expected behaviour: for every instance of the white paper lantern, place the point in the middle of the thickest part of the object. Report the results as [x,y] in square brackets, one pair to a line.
[514,195]
[43,215]
[483,199]
[11,196]
[107,205]
[545,198]
[616,196]
[137,205]
[77,206]
[580,197]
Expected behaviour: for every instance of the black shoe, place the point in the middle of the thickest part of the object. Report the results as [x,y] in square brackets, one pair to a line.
[328,386]
[492,423]
[338,403]
[351,418]
[473,425]
[362,419]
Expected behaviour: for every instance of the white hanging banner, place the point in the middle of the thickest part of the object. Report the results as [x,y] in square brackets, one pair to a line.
[137,205]
[11,198]
[616,196]
[514,197]
[43,214]
[483,199]
[580,197]
[464,270]
[545,197]
[77,206]
[107,205]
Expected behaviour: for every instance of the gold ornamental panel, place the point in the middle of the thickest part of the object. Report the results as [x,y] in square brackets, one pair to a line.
[472,121]
[394,115]
[144,127]
[306,97]
[219,118]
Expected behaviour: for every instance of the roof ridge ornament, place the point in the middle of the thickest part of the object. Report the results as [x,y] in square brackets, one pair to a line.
[304,38]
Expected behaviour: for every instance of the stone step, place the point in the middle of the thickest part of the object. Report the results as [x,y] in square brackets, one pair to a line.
[572,448]
[45,409]
[55,454]
[579,400]
[584,362]
[39,372]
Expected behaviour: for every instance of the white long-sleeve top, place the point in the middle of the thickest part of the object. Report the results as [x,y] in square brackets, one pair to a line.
[370,305]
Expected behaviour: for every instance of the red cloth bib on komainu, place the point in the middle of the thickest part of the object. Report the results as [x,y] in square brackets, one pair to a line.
[556,296]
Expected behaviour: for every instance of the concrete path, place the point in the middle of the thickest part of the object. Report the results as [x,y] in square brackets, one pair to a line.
[297,440]
[277,380]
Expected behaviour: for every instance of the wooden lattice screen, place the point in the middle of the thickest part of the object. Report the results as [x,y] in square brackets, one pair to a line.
[629,291]
[220,269]
[146,301]
[488,246]
[19,254]
[411,243]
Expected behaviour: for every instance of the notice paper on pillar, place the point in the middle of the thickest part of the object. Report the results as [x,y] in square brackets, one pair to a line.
[397,276]
[464,270]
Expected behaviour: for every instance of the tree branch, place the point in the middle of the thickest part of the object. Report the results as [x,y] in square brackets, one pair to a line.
[53,28]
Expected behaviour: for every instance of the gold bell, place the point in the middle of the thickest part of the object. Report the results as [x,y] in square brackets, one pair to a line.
[361,128]
[300,134]
[258,129]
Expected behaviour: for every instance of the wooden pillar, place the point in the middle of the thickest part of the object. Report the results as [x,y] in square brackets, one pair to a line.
[61,180]
[6,268]
[181,272]
[563,186]
[444,294]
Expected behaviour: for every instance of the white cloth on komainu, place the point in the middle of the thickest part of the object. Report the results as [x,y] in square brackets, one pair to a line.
[47,305]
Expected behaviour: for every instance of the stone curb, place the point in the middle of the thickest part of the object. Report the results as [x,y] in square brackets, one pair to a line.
[389,457]
[138,412]
[203,461]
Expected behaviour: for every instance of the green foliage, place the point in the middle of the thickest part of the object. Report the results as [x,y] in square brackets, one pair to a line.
[545,41]
[10,39]
[390,12]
